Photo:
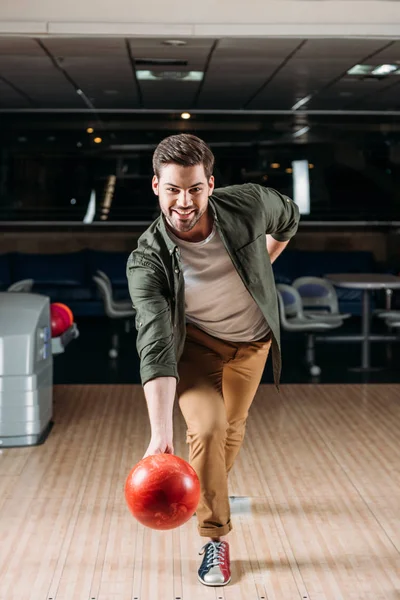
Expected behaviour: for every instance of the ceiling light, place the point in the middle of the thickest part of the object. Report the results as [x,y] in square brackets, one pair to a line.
[79,144]
[97,140]
[73,201]
[275,166]
[89,130]
[360,70]
[174,43]
[289,170]
[104,217]
[185,115]
[301,102]
[384,70]
[310,166]
[301,131]
[176,75]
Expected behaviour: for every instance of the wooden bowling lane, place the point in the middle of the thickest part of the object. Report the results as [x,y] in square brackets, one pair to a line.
[315,510]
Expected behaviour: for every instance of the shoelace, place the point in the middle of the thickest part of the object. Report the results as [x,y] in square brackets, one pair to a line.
[215,555]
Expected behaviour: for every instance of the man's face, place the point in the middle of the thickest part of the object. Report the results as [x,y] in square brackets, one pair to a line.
[183,195]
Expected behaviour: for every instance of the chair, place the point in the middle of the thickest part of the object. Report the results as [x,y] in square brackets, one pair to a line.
[114,311]
[117,304]
[293,319]
[320,294]
[24,285]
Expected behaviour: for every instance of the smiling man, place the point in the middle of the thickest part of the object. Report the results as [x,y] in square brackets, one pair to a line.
[202,285]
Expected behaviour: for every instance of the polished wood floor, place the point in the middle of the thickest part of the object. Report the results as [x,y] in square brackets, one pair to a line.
[316,502]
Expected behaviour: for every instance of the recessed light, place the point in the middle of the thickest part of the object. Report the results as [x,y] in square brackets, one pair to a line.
[275,166]
[175,43]
[374,70]
[186,115]
[360,70]
[310,166]
[97,140]
[175,75]
[384,70]
[301,131]
[301,102]
[289,170]
[89,130]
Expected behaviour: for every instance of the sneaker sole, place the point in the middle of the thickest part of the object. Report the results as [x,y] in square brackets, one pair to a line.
[213,584]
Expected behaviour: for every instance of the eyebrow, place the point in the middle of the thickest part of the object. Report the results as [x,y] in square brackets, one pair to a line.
[190,186]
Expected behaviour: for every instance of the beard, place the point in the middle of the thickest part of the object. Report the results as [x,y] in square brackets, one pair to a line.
[177,223]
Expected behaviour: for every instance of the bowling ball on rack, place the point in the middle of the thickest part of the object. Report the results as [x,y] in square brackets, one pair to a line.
[67,310]
[162,491]
[59,319]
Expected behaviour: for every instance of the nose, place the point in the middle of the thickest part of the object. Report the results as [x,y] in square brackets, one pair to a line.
[184,200]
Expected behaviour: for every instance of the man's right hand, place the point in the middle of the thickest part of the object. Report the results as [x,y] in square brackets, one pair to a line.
[160,445]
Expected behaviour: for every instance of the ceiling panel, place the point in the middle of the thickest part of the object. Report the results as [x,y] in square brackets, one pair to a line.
[347,91]
[348,49]
[10,97]
[40,80]
[169,94]
[387,99]
[389,55]
[106,81]
[230,81]
[19,46]
[195,50]
[305,77]
[90,47]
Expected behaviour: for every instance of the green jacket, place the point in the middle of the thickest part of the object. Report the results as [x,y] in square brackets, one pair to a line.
[243,214]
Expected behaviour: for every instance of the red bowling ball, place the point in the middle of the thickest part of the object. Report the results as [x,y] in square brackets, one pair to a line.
[162,491]
[59,319]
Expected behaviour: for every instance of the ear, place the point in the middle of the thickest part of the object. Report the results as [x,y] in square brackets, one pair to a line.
[154,185]
[211,185]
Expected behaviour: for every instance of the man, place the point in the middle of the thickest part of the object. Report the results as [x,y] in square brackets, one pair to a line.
[206,314]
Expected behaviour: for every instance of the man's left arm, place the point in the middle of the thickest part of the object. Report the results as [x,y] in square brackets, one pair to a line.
[281,220]
[275,248]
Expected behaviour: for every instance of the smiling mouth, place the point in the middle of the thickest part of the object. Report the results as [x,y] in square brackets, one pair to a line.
[183,214]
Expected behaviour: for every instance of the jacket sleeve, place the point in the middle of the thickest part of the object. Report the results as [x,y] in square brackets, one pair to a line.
[155,338]
[280,212]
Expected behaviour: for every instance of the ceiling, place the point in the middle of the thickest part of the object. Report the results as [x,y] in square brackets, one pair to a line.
[239,74]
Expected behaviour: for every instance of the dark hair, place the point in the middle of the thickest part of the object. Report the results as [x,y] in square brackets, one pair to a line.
[183,149]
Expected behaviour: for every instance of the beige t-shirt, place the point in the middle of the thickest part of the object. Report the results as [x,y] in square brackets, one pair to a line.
[216,299]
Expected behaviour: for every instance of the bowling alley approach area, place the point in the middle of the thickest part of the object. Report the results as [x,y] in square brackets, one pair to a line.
[208,192]
[315,500]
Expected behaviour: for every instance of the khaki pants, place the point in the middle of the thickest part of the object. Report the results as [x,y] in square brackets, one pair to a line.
[218,381]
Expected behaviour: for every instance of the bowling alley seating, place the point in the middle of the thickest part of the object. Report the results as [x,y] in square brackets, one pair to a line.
[25,285]
[319,299]
[292,264]
[115,311]
[116,304]
[68,277]
[294,320]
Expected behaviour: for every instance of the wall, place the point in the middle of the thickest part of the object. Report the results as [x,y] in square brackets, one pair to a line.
[205,18]
[384,245]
